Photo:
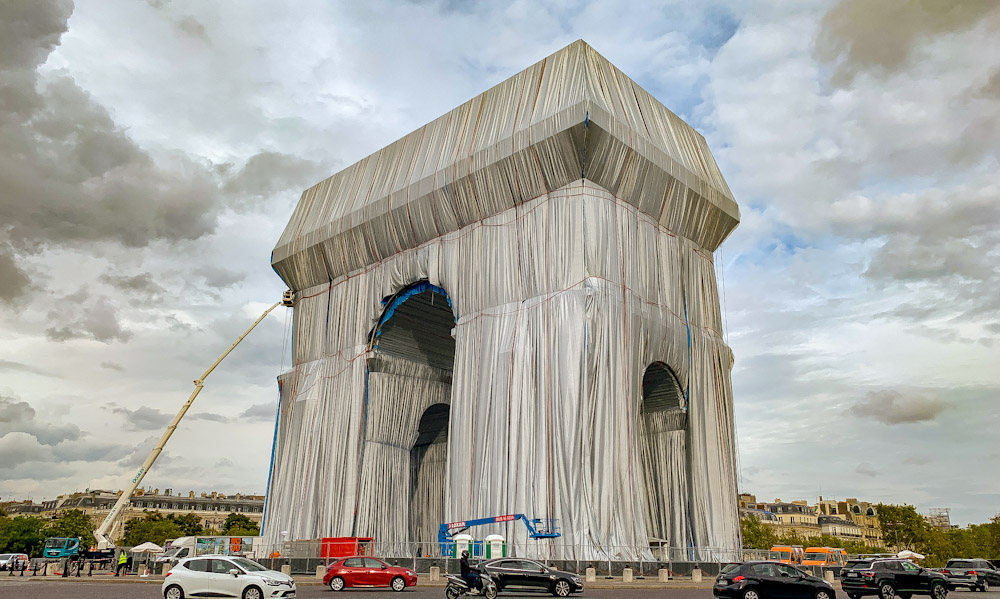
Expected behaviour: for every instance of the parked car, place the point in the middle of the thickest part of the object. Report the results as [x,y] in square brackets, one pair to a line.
[367,571]
[976,574]
[769,579]
[224,576]
[17,561]
[824,556]
[889,578]
[520,573]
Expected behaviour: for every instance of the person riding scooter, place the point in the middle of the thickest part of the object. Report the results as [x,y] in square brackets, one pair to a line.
[470,574]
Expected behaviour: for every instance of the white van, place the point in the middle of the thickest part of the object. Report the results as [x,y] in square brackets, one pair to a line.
[184,547]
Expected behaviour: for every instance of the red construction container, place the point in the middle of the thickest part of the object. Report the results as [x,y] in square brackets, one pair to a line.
[333,547]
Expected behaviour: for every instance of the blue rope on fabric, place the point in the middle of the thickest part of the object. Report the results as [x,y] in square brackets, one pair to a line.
[270,468]
[687,391]
[586,127]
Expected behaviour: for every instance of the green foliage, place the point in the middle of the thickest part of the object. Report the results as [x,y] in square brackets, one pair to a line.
[756,534]
[190,524]
[903,527]
[240,525]
[23,534]
[154,527]
[73,524]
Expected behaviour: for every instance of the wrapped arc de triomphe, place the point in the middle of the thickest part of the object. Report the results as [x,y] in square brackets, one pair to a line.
[514,309]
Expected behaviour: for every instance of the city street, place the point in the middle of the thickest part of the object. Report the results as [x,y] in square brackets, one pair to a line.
[38,589]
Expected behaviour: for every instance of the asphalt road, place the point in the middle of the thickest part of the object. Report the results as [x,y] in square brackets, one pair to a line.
[38,589]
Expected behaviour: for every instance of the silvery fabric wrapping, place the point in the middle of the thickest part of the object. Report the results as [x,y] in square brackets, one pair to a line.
[570,219]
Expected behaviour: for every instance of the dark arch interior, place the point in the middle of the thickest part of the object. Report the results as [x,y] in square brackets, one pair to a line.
[433,427]
[661,391]
[419,329]
[428,464]
[662,446]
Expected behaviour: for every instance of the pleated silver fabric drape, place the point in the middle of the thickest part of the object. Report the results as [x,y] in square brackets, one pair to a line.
[570,218]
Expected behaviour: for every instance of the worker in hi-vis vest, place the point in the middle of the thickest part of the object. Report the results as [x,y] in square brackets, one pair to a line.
[122,561]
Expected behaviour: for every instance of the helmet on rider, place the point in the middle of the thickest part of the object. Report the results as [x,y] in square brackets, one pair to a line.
[465,553]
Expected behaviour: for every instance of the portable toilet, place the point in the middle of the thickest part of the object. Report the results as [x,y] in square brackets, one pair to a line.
[495,546]
[460,543]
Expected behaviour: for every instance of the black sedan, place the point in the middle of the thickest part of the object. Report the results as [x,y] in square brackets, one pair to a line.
[976,574]
[889,578]
[764,580]
[520,573]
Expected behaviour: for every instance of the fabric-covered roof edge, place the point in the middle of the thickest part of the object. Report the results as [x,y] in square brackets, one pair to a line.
[571,115]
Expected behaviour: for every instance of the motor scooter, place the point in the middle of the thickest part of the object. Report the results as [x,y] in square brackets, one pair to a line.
[457,587]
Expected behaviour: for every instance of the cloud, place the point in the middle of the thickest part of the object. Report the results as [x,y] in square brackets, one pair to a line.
[858,35]
[190,26]
[30,30]
[141,284]
[267,173]
[219,277]
[865,469]
[141,451]
[11,366]
[208,416]
[19,417]
[891,407]
[261,412]
[97,321]
[143,418]
[112,366]
[14,282]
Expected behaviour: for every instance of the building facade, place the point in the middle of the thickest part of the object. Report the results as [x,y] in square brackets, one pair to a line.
[212,509]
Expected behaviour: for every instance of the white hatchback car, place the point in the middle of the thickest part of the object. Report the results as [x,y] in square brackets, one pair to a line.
[225,576]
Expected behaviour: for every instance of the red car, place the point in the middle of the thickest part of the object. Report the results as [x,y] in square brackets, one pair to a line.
[364,571]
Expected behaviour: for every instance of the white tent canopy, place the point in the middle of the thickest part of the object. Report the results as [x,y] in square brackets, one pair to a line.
[907,554]
[147,548]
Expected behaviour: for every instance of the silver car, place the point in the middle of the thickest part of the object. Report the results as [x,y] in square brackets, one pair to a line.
[225,576]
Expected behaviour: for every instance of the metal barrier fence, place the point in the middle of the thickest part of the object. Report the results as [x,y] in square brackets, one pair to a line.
[304,556]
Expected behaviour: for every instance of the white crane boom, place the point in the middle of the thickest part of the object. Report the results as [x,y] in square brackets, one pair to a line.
[102,533]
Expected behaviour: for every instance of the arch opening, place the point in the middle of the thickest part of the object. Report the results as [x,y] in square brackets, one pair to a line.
[662,423]
[428,473]
[411,356]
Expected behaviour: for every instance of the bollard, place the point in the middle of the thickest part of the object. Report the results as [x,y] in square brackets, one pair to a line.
[696,575]
[591,575]
[320,571]
[828,576]
[627,575]
[663,575]
[435,573]
[286,569]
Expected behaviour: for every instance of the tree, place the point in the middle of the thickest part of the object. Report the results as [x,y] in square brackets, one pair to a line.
[23,534]
[73,524]
[756,534]
[903,527]
[153,527]
[240,525]
[190,524]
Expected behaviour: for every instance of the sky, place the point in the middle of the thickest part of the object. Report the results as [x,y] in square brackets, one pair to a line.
[152,151]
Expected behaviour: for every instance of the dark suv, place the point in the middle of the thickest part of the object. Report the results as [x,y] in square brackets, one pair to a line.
[889,578]
[977,574]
